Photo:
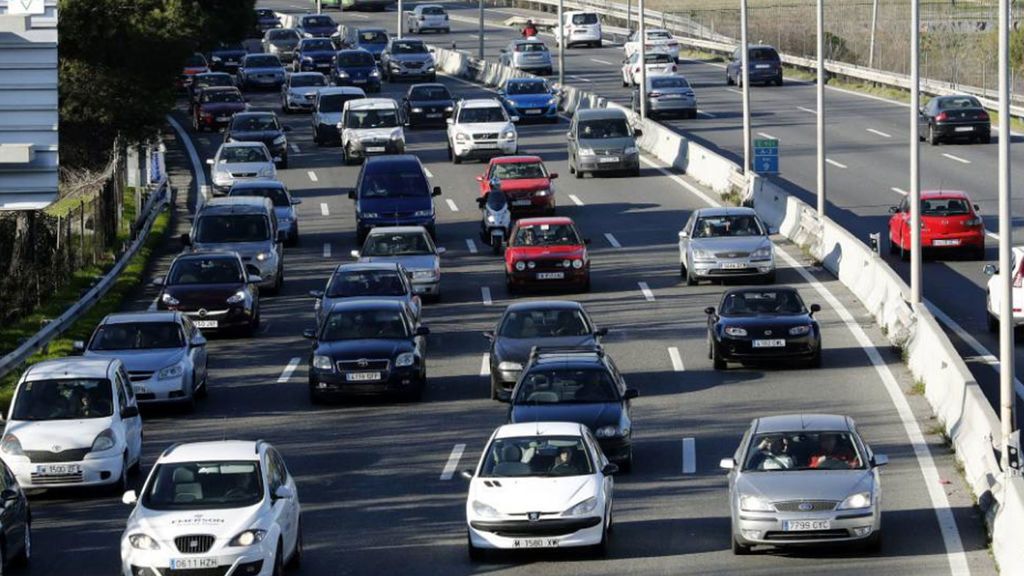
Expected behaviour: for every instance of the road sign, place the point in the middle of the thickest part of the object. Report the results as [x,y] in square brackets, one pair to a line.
[766,155]
[26,7]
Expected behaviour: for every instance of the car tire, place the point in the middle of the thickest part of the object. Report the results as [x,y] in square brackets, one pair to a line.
[120,486]
[284,162]
[815,361]
[626,466]
[204,387]
[600,550]
[873,544]
[769,278]
[933,138]
[295,560]
[24,557]
[717,361]
[904,253]
[986,139]
[495,392]
[739,549]
[992,322]
[347,155]
[278,561]
[893,248]
[682,270]
[728,80]
[691,280]
[284,109]
[433,77]
[316,137]
[455,158]
[779,81]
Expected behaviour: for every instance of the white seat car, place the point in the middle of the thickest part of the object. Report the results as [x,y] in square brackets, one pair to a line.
[992,293]
[481,128]
[658,63]
[73,422]
[579,28]
[238,161]
[226,507]
[427,17]
[658,40]
[371,126]
[540,485]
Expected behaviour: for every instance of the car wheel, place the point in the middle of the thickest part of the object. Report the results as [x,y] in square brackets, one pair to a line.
[682,270]
[204,386]
[625,83]
[577,172]
[933,137]
[285,109]
[296,558]
[455,158]
[316,137]
[347,153]
[986,139]
[25,556]
[626,466]
[278,562]
[717,361]
[284,162]
[904,253]
[475,554]
[739,549]
[120,486]
[815,361]
[893,248]
[778,81]
[992,322]
[189,405]
[600,550]
[691,280]
[728,80]
[495,389]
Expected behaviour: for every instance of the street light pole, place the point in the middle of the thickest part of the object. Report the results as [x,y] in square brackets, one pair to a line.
[915,152]
[642,38]
[1006,344]
[481,31]
[874,26]
[400,23]
[821,108]
[745,77]
[319,6]
[560,40]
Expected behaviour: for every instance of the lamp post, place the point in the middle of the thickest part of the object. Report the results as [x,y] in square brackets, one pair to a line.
[1006,344]
[915,153]
[642,38]
[744,78]
[821,108]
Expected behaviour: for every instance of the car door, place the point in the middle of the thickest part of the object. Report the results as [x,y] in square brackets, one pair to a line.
[133,424]
[16,512]
[600,461]
[196,349]
[898,223]
[293,509]
[279,507]
[686,234]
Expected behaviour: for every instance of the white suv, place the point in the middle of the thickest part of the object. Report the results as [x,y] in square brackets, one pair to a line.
[481,128]
[228,507]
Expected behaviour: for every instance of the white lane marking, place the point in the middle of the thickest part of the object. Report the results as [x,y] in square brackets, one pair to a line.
[324,210]
[451,204]
[485,295]
[266,328]
[295,148]
[152,305]
[735,90]
[474,36]
[983,353]
[675,178]
[677,360]
[312,176]
[899,191]
[485,365]
[198,170]
[834,163]
[611,240]
[808,110]
[428,172]
[956,158]
[646,291]
[453,461]
[286,374]
[471,245]
[689,455]
[879,132]
[992,235]
[766,135]
[599,61]
[360,16]
[581,79]
[708,114]
[327,249]
[575,200]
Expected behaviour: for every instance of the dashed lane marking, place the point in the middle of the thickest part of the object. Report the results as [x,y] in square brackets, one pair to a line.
[453,462]
[286,374]
[677,360]
[646,291]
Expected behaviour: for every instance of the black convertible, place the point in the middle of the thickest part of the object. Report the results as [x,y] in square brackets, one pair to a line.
[757,324]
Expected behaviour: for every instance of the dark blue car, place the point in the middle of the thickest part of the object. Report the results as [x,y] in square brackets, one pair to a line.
[317,26]
[373,40]
[530,99]
[393,191]
[356,68]
[313,55]
[227,57]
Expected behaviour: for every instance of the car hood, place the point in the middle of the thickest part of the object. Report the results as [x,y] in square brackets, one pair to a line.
[805,485]
[616,144]
[264,70]
[358,71]
[304,91]
[365,348]
[529,99]
[518,349]
[512,187]
[533,252]
[331,118]
[374,49]
[44,435]
[210,296]
[286,45]
[425,262]
[762,321]
[242,167]
[731,243]
[318,54]
[431,103]
[387,207]
[524,495]
[474,127]
[592,415]
[228,54]
[222,107]
[141,360]
[425,58]
[255,135]
[166,525]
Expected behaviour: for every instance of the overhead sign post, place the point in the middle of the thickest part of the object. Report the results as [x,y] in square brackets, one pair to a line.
[26,7]
[766,156]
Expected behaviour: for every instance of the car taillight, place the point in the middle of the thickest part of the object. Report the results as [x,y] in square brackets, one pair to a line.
[973,222]
[982,115]
[942,117]
[1018,281]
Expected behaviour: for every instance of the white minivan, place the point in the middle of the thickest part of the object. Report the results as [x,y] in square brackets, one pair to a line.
[73,422]
[580,28]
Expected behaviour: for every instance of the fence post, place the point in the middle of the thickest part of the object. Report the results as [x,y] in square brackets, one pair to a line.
[81,229]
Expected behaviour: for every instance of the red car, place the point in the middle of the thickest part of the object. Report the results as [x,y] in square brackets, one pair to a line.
[949,220]
[215,106]
[525,181]
[195,64]
[546,251]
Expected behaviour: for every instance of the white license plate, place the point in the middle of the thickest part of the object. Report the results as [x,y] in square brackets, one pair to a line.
[375,149]
[550,275]
[521,202]
[140,389]
[223,118]
[434,115]
[205,323]
[359,81]
[952,242]
[362,376]
[964,129]
[609,159]
[763,66]
[672,96]
[192,563]
[58,469]
[534,111]
[805,525]
[733,265]
[535,543]
[773,343]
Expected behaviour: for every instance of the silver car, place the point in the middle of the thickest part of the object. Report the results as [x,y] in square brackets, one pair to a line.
[283,201]
[804,479]
[529,55]
[281,42]
[667,94]
[371,126]
[721,243]
[298,92]
[410,246]
[238,161]
[376,280]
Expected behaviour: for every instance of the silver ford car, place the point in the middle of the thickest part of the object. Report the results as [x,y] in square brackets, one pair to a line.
[412,248]
[720,243]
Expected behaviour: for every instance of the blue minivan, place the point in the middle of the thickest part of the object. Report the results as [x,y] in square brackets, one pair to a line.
[393,191]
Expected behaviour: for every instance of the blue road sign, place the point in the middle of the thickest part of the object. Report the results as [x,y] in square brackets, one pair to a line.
[766,156]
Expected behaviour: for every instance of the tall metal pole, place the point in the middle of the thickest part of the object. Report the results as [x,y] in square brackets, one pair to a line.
[821,108]
[481,31]
[915,152]
[874,26]
[629,15]
[1006,345]
[560,31]
[642,38]
[400,23]
[319,6]
[745,75]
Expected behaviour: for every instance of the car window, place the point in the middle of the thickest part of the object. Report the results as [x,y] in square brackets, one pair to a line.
[373,37]
[275,477]
[221,228]
[659,35]
[221,96]
[365,324]
[584,19]
[728,225]
[481,115]
[262,61]
[122,396]
[546,235]
[604,128]
[950,102]
[253,123]
[530,87]
[432,10]
[348,284]
[945,207]
[318,21]
[243,155]
[552,323]
[137,336]
[394,184]
[204,485]
[282,470]
[283,34]
[429,93]
[372,118]
[657,58]
[306,80]
[669,82]
[531,47]
[398,244]
[65,399]
[334,103]
[205,271]
[755,302]
[278,196]
[518,170]
[316,45]
[408,47]
[804,450]
[210,80]
[566,386]
[355,58]
[763,54]
[536,456]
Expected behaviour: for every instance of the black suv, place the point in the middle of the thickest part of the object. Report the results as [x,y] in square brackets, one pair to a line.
[260,127]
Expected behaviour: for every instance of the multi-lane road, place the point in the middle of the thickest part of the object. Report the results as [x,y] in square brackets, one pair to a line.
[371,475]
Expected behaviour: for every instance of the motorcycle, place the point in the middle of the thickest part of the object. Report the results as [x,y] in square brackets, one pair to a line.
[496,216]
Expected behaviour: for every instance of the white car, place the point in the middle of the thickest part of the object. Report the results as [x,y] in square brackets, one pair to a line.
[658,40]
[371,126]
[238,161]
[540,485]
[530,55]
[657,63]
[225,507]
[481,128]
[993,294]
[73,422]
[427,17]
[579,28]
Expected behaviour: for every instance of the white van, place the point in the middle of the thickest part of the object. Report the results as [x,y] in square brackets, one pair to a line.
[580,28]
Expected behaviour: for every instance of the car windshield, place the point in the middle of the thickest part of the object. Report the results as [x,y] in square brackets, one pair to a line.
[204,485]
[317,45]
[334,103]
[221,97]
[394,185]
[220,228]
[763,54]
[725,226]
[408,47]
[518,170]
[355,59]
[531,47]
[318,21]
[432,10]
[265,13]
[547,235]
[401,244]
[207,81]
[755,302]
[365,324]
[261,61]
[670,82]
[551,323]
[563,385]
[952,102]
[66,399]
[283,34]
[481,115]
[659,35]
[372,118]
[205,271]
[536,456]
[604,128]
[429,93]
[790,451]
[657,58]
[304,80]
[366,283]
[243,155]
[373,37]
[588,18]
[945,207]
[254,123]
[137,336]
[195,61]
[277,195]
[530,87]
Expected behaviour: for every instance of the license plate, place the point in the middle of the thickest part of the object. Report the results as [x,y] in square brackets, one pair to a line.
[434,115]
[521,202]
[773,343]
[223,118]
[205,323]
[805,525]
[550,275]
[733,265]
[362,376]
[964,129]
[375,149]
[359,81]
[609,159]
[534,111]
[952,242]
[763,66]
[192,563]
[140,389]
[535,543]
[58,469]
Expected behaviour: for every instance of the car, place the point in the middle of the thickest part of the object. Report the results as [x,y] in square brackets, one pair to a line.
[216,106]
[949,118]
[800,479]
[481,128]
[246,225]
[579,27]
[368,347]
[367,5]
[313,55]
[427,104]
[327,108]
[658,40]
[266,19]
[524,180]
[261,71]
[356,67]
[657,63]
[373,40]
[407,58]
[227,57]
[949,222]
[546,252]
[602,140]
[16,518]
[215,507]
[164,353]
[376,280]
[371,126]
[281,42]
[426,17]
[559,490]
[393,191]
[667,94]
[528,55]
[73,422]
[993,294]
[262,127]
[207,80]
[763,324]
[194,65]
[765,66]
[530,99]
[413,249]
[299,91]
[284,203]
[723,243]
[316,26]
[215,290]
[543,323]
[236,161]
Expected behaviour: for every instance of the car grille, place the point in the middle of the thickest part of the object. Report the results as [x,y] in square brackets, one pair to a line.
[732,254]
[731,271]
[194,543]
[243,174]
[608,152]
[486,136]
[807,535]
[139,375]
[46,456]
[816,505]
[550,265]
[218,571]
[525,528]
[367,365]
[413,65]
[39,480]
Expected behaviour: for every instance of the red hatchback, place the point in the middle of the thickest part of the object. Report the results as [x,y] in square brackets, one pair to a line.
[194,64]
[949,220]
[546,252]
[525,181]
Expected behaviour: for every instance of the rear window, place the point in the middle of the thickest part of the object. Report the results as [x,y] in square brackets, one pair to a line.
[317,45]
[657,58]
[763,54]
[958,102]
[659,35]
[267,61]
[355,59]
[318,21]
[433,10]
[531,47]
[283,34]
[674,82]
[300,81]
[195,61]
[373,37]
[945,207]
[229,228]
[222,97]
[584,19]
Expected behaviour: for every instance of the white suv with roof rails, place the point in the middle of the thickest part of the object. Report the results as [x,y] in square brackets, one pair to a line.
[481,128]
[227,507]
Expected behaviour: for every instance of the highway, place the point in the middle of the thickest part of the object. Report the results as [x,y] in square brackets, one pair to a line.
[370,474]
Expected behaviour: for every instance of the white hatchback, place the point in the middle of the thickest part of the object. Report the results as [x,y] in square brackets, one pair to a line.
[993,294]
[227,507]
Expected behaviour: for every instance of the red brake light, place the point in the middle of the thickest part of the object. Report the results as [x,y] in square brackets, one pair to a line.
[1018,281]
[942,117]
[982,115]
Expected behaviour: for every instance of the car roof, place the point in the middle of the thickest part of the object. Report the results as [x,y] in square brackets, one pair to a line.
[382,230]
[430,6]
[524,81]
[209,74]
[370,103]
[755,289]
[481,103]
[75,367]
[600,113]
[797,422]
[396,160]
[207,254]
[217,450]
[944,194]
[371,29]
[539,429]
[326,90]
[253,114]
[369,303]
[428,85]
[242,145]
[544,305]
[237,204]
[726,211]
[261,183]
[212,89]
[568,359]
[545,220]
[304,74]
[133,317]
[363,266]
[520,159]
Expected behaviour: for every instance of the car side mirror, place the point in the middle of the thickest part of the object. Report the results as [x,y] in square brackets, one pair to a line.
[586,241]
[879,460]
[352,194]
[316,293]
[683,234]
[209,161]
[568,135]
[631,393]
[284,493]
[255,279]
[514,118]
[815,308]
[296,201]
[990,270]
[130,498]
[129,412]
[7,496]
[450,121]
[977,208]
[601,332]
[637,132]
[78,346]
[466,475]
[422,330]
[727,463]
[354,254]
[610,469]
[436,191]
[553,176]
[186,240]
[479,178]
[309,334]
[489,334]
[893,209]
[709,310]
[501,92]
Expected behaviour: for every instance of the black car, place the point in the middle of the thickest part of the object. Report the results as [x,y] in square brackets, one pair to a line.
[265,20]
[581,385]
[317,26]
[227,57]
[15,518]
[207,80]
[947,118]
[214,289]
[765,66]
[368,347]
[428,104]
[314,55]
[260,127]
[524,325]
[758,324]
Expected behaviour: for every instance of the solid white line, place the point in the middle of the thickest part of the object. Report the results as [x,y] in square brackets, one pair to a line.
[324,210]
[611,240]
[646,291]
[485,365]
[286,374]
[312,176]
[992,235]
[599,61]
[735,90]
[899,191]
[973,343]
[485,294]
[197,167]
[295,148]
[471,245]
[677,360]
[808,110]
[581,79]
[453,461]
[675,178]
[575,200]
[957,158]
[766,135]
[327,249]
[152,305]
[834,163]
[708,114]
[689,455]
[428,172]
[879,132]
[451,204]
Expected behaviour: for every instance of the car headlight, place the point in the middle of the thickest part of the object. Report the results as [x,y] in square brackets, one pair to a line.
[143,542]
[279,140]
[542,193]
[267,172]
[237,297]
[509,134]
[706,255]
[586,151]
[323,363]
[449,108]
[398,135]
[104,441]
[215,58]
[423,274]
[169,300]
[577,264]
[520,265]
[307,59]
[763,253]
[531,264]
[460,137]
[510,366]
[417,110]
[552,101]
[481,509]
[405,359]
[566,263]
[857,501]
[630,150]
[585,507]
[735,331]
[422,213]
[755,504]
[611,432]
[248,538]
[342,74]
[262,256]
[168,372]
[375,73]
[11,445]
[799,330]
